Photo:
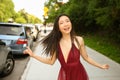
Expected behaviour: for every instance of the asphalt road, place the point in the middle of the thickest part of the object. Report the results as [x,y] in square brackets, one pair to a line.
[20,65]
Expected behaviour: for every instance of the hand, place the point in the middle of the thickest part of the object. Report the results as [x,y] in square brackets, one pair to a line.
[105,66]
[28,51]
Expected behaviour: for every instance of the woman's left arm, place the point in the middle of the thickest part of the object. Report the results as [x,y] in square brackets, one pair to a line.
[87,58]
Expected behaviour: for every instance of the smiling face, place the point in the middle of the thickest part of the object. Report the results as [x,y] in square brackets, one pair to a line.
[65,25]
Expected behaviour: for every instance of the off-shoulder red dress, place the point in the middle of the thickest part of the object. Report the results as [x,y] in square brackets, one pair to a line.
[72,69]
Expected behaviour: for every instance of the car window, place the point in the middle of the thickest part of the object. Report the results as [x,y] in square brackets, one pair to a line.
[28,31]
[9,30]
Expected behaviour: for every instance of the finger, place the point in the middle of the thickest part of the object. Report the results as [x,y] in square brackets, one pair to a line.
[24,52]
[28,48]
[107,66]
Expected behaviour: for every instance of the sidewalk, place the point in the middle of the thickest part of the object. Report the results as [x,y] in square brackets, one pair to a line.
[36,70]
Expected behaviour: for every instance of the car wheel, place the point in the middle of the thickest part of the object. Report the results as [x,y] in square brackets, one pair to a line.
[9,66]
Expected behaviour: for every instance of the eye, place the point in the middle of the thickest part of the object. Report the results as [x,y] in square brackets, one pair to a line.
[67,20]
[61,23]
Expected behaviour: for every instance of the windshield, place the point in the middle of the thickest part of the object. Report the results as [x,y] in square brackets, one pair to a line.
[11,30]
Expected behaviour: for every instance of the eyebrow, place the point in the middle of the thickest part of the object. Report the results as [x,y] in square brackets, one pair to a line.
[65,20]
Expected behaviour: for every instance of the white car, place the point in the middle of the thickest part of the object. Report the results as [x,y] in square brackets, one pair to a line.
[34,30]
[44,31]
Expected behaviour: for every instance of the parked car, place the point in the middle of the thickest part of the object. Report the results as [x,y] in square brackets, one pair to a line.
[6,60]
[45,31]
[16,36]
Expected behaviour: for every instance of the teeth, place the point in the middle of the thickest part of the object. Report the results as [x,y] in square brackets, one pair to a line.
[66,29]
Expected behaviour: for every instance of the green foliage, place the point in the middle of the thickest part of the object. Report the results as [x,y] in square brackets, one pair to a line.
[103,46]
[91,16]
[6,10]
[23,17]
[101,17]
[20,20]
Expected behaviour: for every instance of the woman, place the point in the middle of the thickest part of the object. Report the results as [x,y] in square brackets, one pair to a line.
[62,43]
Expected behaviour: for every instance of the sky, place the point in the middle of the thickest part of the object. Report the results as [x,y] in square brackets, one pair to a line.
[33,7]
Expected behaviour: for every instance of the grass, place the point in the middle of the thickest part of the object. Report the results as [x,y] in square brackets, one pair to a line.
[103,46]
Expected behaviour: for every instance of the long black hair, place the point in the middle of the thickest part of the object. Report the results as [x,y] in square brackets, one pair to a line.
[51,41]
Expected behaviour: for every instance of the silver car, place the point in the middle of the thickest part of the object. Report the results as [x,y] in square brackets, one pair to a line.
[16,36]
[6,60]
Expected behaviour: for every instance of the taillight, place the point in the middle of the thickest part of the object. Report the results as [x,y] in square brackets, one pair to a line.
[22,41]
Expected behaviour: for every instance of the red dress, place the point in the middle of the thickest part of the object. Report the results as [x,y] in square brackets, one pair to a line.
[72,69]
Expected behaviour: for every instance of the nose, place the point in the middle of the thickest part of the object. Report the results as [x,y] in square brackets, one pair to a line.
[65,24]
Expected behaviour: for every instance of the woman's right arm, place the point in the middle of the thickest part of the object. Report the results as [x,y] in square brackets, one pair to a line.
[50,60]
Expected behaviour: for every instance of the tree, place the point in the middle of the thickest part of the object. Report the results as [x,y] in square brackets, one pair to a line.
[6,10]
[88,16]
[26,17]
[20,20]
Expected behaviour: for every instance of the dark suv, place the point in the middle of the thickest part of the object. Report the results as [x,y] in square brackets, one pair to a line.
[6,60]
[15,36]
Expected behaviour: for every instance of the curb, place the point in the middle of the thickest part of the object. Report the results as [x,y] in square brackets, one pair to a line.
[23,77]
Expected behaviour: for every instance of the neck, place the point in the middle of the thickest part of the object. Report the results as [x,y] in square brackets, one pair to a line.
[66,37]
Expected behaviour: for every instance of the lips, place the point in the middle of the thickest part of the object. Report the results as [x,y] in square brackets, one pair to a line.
[67,29]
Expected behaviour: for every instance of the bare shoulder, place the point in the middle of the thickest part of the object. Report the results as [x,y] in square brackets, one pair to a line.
[80,39]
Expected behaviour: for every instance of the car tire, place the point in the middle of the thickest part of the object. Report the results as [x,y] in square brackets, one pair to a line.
[9,66]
